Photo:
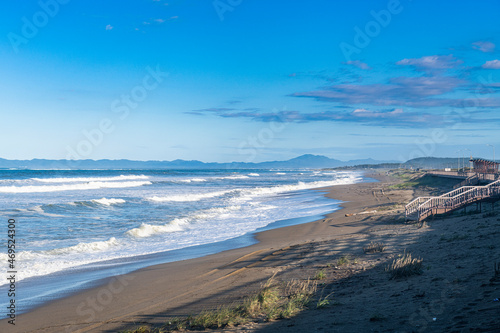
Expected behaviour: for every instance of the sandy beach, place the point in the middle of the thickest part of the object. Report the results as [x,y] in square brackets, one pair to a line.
[458,290]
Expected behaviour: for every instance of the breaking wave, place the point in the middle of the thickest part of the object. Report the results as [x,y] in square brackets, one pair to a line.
[146,230]
[190,196]
[108,202]
[71,187]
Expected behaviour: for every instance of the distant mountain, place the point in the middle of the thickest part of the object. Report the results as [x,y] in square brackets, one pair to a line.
[303,161]
[307,161]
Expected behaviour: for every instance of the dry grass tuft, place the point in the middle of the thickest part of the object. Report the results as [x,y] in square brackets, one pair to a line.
[405,266]
[374,248]
[272,302]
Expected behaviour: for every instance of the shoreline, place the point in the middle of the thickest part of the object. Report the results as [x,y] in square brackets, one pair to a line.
[258,236]
[455,291]
[92,275]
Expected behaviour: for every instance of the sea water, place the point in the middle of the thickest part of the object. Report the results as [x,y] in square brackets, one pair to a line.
[74,227]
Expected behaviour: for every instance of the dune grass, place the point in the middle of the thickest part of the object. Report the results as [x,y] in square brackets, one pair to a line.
[346,260]
[320,275]
[374,248]
[405,266]
[273,301]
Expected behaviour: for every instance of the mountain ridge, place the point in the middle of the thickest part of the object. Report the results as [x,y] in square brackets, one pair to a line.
[302,161]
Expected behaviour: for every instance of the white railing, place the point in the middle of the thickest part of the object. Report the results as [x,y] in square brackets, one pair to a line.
[425,206]
[471,180]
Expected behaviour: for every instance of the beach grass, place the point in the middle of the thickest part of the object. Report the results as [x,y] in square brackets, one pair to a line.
[405,266]
[273,301]
[346,260]
[324,301]
[276,300]
[374,248]
[417,179]
[320,275]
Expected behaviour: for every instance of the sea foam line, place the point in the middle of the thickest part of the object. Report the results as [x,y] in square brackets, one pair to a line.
[190,196]
[263,191]
[191,180]
[71,187]
[108,202]
[146,230]
[89,179]
[37,263]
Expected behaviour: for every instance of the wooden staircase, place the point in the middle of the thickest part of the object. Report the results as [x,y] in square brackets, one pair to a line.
[469,181]
[422,207]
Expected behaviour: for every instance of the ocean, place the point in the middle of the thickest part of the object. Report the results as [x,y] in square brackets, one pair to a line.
[75,227]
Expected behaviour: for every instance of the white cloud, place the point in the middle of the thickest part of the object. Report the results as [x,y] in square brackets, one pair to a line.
[434,62]
[377,114]
[483,46]
[492,64]
[109,27]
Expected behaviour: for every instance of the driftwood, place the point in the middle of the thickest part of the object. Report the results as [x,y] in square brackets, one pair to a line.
[361,213]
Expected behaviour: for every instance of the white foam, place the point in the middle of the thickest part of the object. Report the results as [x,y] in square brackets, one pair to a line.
[197,180]
[89,179]
[236,214]
[71,187]
[36,209]
[85,247]
[253,174]
[108,202]
[216,212]
[280,173]
[37,263]
[39,210]
[190,196]
[259,191]
[235,177]
[146,230]
[232,177]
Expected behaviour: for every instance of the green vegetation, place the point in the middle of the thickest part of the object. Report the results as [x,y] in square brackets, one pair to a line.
[404,266]
[320,275]
[323,302]
[345,260]
[271,302]
[417,179]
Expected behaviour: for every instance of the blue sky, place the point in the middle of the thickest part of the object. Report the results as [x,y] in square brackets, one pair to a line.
[241,80]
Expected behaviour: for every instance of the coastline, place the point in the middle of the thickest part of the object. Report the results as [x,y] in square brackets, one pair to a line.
[454,292]
[92,305]
[61,284]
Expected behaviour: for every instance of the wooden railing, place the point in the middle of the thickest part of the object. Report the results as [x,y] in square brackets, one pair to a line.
[460,197]
[465,174]
[471,180]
